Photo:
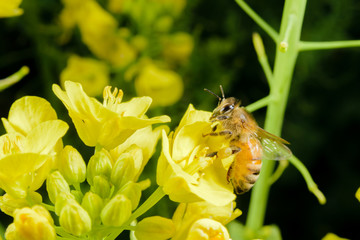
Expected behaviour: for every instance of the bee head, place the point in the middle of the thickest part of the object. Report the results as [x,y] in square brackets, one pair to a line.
[225,106]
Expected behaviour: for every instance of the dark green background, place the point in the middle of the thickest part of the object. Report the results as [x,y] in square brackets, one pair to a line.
[322,118]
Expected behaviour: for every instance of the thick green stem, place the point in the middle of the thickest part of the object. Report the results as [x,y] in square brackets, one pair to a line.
[293,15]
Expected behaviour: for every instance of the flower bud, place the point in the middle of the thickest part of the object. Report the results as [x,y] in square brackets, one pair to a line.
[8,203]
[123,170]
[71,165]
[93,204]
[63,199]
[155,228]
[31,224]
[74,219]
[165,88]
[116,211]
[133,192]
[55,184]
[207,228]
[178,47]
[101,186]
[99,165]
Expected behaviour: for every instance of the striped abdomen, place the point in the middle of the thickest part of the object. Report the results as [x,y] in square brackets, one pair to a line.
[245,169]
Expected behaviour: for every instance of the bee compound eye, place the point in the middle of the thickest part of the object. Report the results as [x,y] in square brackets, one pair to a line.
[227,108]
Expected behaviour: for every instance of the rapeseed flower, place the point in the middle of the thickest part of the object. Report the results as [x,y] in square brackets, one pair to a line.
[165,87]
[10,8]
[27,150]
[177,47]
[190,221]
[185,170]
[92,74]
[192,218]
[108,124]
[31,224]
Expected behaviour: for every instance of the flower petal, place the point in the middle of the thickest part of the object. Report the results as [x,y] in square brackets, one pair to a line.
[27,112]
[43,138]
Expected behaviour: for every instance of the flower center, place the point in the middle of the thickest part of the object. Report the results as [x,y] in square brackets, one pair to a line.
[197,162]
[112,99]
[12,145]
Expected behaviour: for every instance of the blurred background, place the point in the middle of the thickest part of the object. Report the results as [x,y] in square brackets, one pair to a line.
[186,46]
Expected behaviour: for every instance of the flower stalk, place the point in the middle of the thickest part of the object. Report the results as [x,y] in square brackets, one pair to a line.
[288,47]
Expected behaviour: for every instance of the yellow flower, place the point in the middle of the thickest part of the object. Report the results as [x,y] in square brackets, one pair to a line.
[31,224]
[332,236]
[9,204]
[357,194]
[187,214]
[34,135]
[208,229]
[10,8]
[178,47]
[165,87]
[108,124]
[185,171]
[26,113]
[92,74]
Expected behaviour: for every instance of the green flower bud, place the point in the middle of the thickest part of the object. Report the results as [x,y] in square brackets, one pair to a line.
[74,219]
[123,170]
[55,184]
[133,192]
[63,199]
[8,203]
[155,228]
[93,204]
[116,211]
[78,195]
[101,186]
[71,165]
[99,165]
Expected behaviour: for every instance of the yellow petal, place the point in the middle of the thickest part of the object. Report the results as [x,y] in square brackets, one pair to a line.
[17,172]
[165,87]
[43,138]
[208,229]
[357,194]
[332,236]
[27,112]
[91,73]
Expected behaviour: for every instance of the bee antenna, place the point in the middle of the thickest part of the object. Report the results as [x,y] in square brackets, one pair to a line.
[222,92]
[212,93]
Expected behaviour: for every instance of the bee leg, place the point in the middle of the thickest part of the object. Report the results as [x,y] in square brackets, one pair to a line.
[220,118]
[221,133]
[211,154]
[235,149]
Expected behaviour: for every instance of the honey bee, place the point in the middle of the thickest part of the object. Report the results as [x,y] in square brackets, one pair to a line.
[248,141]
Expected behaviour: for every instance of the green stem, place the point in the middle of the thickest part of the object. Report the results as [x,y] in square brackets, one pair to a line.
[264,25]
[293,14]
[308,179]
[307,46]
[14,78]
[279,171]
[155,197]
[258,104]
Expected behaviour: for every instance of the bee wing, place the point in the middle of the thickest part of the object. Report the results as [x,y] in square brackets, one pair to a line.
[274,147]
